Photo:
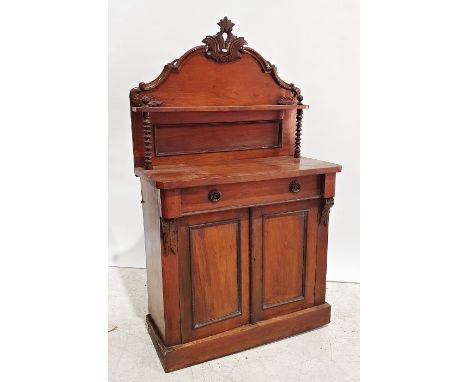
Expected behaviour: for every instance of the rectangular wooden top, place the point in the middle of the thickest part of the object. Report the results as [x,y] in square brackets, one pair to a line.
[234,171]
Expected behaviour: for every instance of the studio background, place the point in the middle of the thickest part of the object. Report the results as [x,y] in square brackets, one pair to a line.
[314,44]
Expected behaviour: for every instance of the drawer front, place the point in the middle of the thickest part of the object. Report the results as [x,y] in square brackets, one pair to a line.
[250,193]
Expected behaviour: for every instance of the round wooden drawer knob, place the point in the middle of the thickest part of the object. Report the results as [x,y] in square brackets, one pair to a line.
[214,196]
[294,186]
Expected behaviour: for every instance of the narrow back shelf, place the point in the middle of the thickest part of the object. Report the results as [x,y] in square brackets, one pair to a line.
[173,109]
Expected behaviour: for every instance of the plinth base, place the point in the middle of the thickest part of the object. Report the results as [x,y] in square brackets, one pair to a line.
[242,338]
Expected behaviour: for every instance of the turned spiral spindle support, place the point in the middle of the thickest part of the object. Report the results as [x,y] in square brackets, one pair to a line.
[297,145]
[148,141]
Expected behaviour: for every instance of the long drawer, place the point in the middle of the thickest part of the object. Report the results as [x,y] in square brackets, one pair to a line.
[196,199]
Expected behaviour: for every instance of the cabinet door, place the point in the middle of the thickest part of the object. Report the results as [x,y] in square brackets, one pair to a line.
[283,258]
[214,272]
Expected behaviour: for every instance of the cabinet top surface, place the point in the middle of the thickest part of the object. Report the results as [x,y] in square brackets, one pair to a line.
[240,170]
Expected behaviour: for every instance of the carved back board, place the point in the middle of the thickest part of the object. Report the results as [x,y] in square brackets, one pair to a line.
[222,72]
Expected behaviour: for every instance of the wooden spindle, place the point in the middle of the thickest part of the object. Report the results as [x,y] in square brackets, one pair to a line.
[148,141]
[297,146]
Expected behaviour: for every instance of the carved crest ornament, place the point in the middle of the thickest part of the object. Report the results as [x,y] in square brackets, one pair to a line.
[222,49]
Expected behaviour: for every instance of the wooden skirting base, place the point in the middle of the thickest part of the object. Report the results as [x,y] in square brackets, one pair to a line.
[232,341]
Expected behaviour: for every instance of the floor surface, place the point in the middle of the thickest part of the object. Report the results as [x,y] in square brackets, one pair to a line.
[330,353]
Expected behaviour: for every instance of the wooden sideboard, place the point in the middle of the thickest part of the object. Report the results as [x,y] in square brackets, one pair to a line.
[235,220]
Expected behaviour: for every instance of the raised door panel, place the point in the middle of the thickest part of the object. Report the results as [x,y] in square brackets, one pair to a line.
[214,273]
[215,254]
[283,258]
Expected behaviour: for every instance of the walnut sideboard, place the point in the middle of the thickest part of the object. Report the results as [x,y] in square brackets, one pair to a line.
[235,220]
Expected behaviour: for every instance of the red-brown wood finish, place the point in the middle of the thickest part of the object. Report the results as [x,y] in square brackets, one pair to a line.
[170,109]
[236,221]
[244,337]
[162,268]
[283,258]
[214,253]
[240,170]
[197,138]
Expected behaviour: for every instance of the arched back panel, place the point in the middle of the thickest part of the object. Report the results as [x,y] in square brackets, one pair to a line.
[221,73]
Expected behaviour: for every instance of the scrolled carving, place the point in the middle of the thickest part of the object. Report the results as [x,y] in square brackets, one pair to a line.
[220,49]
[149,101]
[214,45]
[296,92]
[286,101]
[169,236]
[327,204]
[212,48]
[138,99]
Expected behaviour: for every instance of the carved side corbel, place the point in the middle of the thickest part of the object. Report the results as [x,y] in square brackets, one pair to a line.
[169,236]
[325,213]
